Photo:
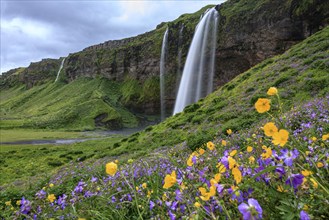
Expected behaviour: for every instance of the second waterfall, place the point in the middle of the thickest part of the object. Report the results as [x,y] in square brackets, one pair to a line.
[162,75]
[198,74]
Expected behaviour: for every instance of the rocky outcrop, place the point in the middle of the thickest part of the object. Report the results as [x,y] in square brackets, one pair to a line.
[249,31]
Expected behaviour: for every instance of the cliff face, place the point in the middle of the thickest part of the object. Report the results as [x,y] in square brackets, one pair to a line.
[249,31]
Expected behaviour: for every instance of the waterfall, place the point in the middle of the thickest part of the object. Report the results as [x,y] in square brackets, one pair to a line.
[162,75]
[198,73]
[179,66]
[60,69]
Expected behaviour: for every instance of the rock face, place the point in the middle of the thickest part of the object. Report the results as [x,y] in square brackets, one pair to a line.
[249,31]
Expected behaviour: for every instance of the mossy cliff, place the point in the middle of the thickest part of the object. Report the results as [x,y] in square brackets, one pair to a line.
[248,33]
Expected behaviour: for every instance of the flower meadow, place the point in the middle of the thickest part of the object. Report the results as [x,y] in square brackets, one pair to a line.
[278,170]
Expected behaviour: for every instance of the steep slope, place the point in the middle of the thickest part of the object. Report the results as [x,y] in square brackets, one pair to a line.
[300,74]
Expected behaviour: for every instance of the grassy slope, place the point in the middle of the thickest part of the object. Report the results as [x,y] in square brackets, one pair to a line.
[70,106]
[300,74]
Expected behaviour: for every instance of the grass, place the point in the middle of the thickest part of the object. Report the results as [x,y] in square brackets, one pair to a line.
[11,135]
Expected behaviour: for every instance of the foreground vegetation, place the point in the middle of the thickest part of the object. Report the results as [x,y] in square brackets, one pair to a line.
[276,170]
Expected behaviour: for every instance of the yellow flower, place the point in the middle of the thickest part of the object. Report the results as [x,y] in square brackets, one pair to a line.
[315,184]
[170,180]
[281,189]
[210,145]
[144,185]
[224,143]
[8,203]
[237,175]
[325,137]
[270,129]
[182,186]
[281,137]
[111,168]
[217,177]
[251,159]
[306,173]
[233,153]
[116,161]
[272,91]
[51,198]
[229,131]
[164,197]
[130,161]
[51,185]
[196,204]
[319,164]
[221,168]
[307,152]
[81,219]
[263,105]
[267,154]
[149,193]
[18,202]
[189,161]
[205,196]
[313,139]
[231,162]
[249,149]
[137,188]
[201,151]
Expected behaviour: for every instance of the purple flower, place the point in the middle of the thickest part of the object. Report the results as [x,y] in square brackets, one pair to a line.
[41,194]
[304,215]
[61,201]
[171,215]
[295,180]
[25,206]
[152,204]
[288,156]
[94,179]
[252,210]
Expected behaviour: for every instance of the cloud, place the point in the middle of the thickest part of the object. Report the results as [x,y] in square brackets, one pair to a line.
[32,30]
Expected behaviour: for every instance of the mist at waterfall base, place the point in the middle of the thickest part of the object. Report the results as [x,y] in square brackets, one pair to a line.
[198,73]
[162,75]
[60,69]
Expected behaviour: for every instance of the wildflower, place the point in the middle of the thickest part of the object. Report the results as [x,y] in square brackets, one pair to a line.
[210,145]
[152,204]
[262,105]
[130,161]
[25,206]
[205,196]
[51,198]
[281,137]
[295,180]
[233,153]
[272,91]
[288,156]
[8,203]
[229,131]
[303,215]
[281,189]
[116,161]
[201,151]
[231,162]
[51,185]
[249,149]
[237,175]
[251,211]
[144,185]
[196,204]
[81,219]
[137,188]
[170,180]
[221,168]
[251,159]
[18,202]
[270,129]
[325,137]
[306,173]
[315,184]
[224,143]
[319,164]
[267,154]
[189,161]
[111,168]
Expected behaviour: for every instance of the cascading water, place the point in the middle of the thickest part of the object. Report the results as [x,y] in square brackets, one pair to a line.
[179,71]
[162,75]
[198,74]
[60,69]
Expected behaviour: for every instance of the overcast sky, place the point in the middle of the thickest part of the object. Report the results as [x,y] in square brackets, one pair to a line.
[32,30]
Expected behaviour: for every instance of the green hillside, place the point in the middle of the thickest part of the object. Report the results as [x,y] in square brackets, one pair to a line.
[72,106]
[301,74]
